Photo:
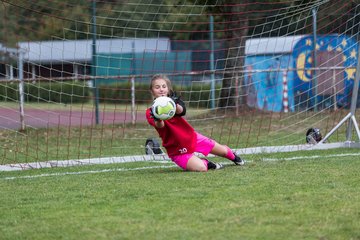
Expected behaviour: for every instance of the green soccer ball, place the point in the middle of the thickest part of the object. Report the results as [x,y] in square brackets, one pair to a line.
[163,108]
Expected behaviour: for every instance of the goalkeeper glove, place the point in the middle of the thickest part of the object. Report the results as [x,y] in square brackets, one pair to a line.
[174,97]
[153,116]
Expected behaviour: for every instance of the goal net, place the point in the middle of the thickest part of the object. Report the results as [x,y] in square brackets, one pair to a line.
[265,76]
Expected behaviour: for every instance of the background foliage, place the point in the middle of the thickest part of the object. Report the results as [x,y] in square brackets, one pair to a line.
[38,20]
[235,20]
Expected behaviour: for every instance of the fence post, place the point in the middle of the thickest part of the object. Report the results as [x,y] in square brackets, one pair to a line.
[21,89]
[133,115]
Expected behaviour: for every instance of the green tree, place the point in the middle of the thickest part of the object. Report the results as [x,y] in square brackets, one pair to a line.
[30,20]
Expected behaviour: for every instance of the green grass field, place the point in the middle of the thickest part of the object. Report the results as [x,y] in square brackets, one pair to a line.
[298,195]
[302,195]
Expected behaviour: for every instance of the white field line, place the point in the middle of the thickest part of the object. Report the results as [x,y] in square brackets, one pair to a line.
[311,157]
[168,166]
[87,172]
[82,162]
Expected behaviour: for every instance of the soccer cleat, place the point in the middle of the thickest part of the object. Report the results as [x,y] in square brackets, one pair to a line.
[238,160]
[214,165]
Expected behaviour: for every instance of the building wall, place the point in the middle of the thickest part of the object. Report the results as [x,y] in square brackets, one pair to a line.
[264,82]
[332,51]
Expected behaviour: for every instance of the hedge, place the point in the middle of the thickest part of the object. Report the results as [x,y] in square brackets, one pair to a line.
[63,92]
[79,92]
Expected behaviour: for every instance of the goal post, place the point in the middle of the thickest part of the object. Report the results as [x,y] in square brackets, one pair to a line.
[246,72]
[350,118]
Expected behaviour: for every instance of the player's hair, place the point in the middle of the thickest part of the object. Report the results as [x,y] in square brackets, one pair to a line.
[161,76]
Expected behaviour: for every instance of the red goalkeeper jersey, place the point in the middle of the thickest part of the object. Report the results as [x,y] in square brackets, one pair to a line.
[178,136]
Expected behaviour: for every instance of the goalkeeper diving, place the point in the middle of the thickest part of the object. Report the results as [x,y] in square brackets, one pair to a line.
[180,139]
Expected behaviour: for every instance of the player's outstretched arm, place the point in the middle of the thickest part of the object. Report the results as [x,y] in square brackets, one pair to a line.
[180,108]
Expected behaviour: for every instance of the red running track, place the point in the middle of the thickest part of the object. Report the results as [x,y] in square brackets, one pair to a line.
[35,118]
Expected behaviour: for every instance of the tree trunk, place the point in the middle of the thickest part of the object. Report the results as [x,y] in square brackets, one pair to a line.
[236,34]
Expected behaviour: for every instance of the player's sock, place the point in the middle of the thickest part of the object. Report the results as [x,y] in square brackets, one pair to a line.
[230,155]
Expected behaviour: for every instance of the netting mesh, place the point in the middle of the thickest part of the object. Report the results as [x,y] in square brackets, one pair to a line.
[74,77]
